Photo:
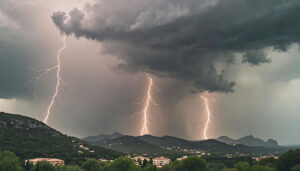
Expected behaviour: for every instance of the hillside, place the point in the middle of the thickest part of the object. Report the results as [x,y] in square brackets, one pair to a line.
[101,137]
[131,144]
[171,145]
[30,138]
[249,140]
[165,141]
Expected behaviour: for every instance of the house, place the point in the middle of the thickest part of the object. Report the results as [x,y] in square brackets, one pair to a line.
[181,158]
[52,161]
[160,161]
[139,160]
[104,160]
[84,148]
[268,156]
[256,158]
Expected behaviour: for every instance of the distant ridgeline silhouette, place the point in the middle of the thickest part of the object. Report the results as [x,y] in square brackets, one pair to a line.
[169,144]
[249,140]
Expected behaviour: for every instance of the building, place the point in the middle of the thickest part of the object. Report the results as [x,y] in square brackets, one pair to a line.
[104,160]
[181,158]
[84,148]
[160,161]
[268,156]
[52,161]
[256,158]
[139,160]
[264,157]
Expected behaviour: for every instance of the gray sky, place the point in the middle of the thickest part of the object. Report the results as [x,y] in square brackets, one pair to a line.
[243,52]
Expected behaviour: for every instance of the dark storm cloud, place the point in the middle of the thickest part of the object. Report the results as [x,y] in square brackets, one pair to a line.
[256,57]
[185,39]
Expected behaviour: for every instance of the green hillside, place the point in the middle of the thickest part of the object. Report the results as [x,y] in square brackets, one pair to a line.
[30,138]
[130,144]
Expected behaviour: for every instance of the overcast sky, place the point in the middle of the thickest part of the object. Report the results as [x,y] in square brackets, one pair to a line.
[243,55]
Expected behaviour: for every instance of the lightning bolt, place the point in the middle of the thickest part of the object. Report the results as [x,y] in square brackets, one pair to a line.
[43,72]
[145,129]
[208,116]
[58,81]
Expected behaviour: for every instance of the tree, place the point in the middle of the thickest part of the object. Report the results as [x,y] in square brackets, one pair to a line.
[92,165]
[9,162]
[176,166]
[242,166]
[28,166]
[262,168]
[145,163]
[194,163]
[43,166]
[229,169]
[166,167]
[123,164]
[296,168]
[216,166]
[270,161]
[149,167]
[288,160]
[68,168]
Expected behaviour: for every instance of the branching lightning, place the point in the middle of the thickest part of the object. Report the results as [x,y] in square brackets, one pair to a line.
[145,129]
[43,72]
[58,81]
[145,112]
[208,116]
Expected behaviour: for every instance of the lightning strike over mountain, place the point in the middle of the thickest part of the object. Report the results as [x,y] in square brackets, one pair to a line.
[208,116]
[58,79]
[145,129]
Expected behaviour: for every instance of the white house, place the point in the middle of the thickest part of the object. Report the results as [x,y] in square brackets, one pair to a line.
[103,160]
[182,158]
[52,161]
[139,159]
[160,161]
[84,148]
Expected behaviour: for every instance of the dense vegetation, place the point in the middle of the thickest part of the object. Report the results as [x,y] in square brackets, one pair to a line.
[289,161]
[30,138]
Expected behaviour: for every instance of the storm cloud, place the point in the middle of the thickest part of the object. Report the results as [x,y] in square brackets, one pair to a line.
[185,39]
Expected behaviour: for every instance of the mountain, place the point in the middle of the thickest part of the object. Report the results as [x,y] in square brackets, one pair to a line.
[249,140]
[173,145]
[165,141]
[102,137]
[227,140]
[130,144]
[184,146]
[30,138]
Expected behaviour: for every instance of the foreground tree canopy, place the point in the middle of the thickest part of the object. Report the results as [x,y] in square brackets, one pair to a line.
[289,161]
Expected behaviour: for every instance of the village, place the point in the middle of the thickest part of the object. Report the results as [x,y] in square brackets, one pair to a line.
[158,161]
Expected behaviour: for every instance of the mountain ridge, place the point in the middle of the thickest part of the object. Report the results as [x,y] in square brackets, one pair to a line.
[170,144]
[249,140]
[102,137]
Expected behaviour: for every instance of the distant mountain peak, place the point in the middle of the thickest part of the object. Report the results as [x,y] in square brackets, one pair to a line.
[249,136]
[117,133]
[101,137]
[249,140]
